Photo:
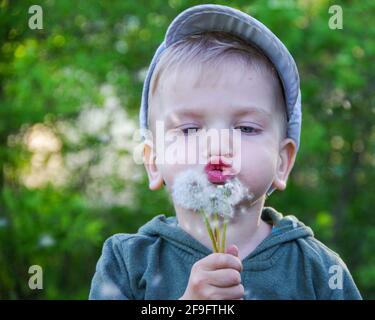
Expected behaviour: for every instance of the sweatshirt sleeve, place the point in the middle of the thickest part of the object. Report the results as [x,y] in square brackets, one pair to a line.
[111,278]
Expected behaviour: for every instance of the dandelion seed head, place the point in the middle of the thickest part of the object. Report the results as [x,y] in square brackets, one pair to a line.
[249,196]
[188,190]
[192,190]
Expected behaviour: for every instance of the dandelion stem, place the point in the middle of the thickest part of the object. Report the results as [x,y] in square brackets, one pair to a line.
[217,231]
[223,237]
[215,249]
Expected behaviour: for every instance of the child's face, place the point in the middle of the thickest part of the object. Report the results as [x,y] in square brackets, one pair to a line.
[225,99]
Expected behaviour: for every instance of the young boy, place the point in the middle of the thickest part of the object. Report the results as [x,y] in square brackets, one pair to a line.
[219,68]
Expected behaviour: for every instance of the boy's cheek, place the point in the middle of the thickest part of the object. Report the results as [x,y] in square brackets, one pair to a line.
[257,166]
[175,157]
[260,150]
[180,154]
[257,178]
[262,163]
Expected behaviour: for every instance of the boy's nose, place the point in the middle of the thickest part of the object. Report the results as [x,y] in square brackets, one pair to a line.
[220,144]
[226,147]
[216,154]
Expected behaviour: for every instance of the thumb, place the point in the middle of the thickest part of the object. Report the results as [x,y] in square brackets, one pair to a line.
[233,250]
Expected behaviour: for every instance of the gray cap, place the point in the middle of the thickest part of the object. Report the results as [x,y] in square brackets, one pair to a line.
[210,17]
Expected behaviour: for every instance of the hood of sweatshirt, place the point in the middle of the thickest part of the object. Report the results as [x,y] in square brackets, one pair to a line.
[284,230]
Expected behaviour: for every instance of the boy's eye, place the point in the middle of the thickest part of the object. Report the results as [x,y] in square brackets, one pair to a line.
[247,129]
[189,130]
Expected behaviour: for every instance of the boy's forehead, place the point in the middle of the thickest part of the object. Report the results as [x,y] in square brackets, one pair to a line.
[198,93]
[205,74]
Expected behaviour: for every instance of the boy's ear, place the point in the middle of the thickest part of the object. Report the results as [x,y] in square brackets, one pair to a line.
[154,175]
[287,156]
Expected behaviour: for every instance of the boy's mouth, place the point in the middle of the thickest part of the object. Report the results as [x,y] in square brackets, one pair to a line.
[218,172]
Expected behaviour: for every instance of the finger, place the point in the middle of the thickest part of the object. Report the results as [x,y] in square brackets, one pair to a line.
[230,293]
[223,278]
[221,261]
[233,250]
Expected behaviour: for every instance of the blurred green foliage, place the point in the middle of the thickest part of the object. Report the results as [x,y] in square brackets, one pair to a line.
[64,168]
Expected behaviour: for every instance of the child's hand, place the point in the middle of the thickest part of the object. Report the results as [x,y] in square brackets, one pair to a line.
[216,277]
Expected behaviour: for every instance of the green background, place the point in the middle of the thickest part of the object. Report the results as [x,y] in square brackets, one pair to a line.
[69,101]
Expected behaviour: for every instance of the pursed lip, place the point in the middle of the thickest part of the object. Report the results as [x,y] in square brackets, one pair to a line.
[218,172]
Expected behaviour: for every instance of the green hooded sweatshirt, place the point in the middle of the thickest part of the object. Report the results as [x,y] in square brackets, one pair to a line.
[155,263]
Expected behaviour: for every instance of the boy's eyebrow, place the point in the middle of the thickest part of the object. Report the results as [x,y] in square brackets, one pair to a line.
[252,110]
[173,116]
